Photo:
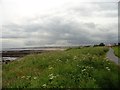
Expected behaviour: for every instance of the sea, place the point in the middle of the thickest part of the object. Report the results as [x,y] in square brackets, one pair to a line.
[23,49]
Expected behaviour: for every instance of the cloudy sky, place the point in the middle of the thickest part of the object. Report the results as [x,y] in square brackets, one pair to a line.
[28,23]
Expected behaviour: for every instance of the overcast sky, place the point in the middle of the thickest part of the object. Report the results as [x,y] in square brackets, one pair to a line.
[27,23]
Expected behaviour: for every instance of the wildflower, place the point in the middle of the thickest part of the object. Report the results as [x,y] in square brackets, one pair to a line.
[44,85]
[23,77]
[28,77]
[57,59]
[50,68]
[93,57]
[107,60]
[91,67]
[35,78]
[83,70]
[51,76]
[108,68]
[75,57]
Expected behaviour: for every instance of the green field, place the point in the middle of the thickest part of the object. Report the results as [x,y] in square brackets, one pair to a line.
[85,67]
[117,51]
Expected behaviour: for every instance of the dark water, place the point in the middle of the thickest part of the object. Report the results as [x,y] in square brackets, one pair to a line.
[41,48]
[16,50]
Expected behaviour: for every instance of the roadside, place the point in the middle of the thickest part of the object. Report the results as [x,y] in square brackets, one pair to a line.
[112,57]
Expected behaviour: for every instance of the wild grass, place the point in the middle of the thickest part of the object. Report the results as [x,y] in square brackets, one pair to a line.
[74,68]
[117,51]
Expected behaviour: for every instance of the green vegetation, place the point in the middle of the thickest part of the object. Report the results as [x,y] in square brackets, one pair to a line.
[0,76]
[117,51]
[74,68]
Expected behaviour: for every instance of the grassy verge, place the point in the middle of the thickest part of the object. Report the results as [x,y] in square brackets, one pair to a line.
[117,51]
[74,68]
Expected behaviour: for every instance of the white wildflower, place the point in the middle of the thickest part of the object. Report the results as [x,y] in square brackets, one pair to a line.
[92,67]
[108,68]
[23,77]
[28,77]
[83,70]
[51,76]
[44,85]
[50,68]
[107,60]
[35,78]
[57,59]
[75,57]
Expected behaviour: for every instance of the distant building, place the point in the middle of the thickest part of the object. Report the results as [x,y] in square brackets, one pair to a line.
[109,45]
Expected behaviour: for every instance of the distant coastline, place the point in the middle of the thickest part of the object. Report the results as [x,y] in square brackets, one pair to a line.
[12,54]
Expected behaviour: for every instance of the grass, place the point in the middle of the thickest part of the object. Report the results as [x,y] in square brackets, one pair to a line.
[0,76]
[74,68]
[117,51]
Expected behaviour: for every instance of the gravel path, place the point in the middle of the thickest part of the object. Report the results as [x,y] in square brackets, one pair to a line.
[112,57]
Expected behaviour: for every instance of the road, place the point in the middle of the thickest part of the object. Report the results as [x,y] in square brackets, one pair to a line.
[112,57]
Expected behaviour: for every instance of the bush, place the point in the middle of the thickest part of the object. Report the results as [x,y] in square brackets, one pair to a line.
[101,44]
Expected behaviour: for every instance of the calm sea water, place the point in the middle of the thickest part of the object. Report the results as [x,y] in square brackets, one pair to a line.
[41,48]
[20,49]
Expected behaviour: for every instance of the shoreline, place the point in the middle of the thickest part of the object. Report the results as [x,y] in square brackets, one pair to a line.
[13,54]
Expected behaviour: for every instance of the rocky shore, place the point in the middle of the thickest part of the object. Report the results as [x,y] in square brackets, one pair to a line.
[11,55]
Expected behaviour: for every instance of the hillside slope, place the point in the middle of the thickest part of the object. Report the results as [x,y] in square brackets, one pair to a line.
[74,68]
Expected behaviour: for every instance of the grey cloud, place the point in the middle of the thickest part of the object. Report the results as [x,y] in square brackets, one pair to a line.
[58,30]
[72,32]
[13,31]
[103,9]
[108,6]
[55,29]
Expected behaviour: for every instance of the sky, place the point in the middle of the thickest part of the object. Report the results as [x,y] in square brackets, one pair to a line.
[37,23]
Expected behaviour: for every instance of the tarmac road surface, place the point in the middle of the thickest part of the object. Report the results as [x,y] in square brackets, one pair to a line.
[112,57]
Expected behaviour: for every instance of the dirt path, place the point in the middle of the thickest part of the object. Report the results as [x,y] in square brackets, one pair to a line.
[112,57]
